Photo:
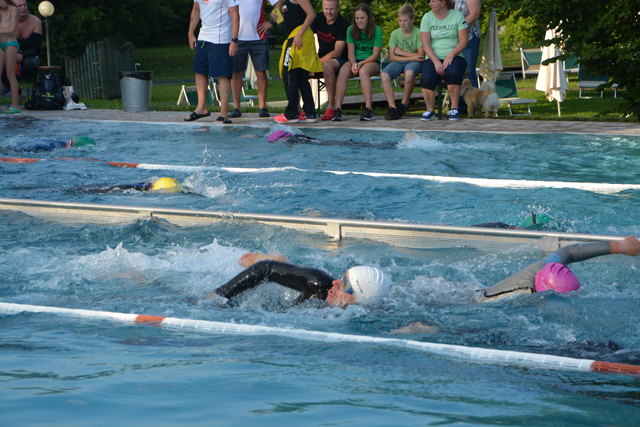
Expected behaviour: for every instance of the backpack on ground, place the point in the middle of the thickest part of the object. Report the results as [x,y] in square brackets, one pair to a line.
[47,93]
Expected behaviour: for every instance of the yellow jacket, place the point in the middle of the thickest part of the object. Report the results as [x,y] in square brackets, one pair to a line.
[305,58]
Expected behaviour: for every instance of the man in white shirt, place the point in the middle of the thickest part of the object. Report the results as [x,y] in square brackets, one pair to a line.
[252,41]
[216,44]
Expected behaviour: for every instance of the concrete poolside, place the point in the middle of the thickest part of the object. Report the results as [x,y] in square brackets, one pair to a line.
[409,123]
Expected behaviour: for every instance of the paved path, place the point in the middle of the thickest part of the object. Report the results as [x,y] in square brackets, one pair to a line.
[411,123]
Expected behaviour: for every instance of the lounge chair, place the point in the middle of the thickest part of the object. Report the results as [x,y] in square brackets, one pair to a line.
[571,64]
[593,83]
[530,59]
[189,96]
[508,93]
[245,100]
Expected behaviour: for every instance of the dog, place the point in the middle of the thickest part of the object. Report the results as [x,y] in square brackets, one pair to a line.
[480,100]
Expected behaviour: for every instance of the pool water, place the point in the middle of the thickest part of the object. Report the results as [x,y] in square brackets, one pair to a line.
[62,371]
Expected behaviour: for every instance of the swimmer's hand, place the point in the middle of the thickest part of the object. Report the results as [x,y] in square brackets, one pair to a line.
[250,258]
[415,328]
[630,245]
[217,299]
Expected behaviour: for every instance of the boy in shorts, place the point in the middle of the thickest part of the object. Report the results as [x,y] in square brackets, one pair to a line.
[406,54]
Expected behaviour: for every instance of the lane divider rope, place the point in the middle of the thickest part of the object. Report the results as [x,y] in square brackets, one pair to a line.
[494,356]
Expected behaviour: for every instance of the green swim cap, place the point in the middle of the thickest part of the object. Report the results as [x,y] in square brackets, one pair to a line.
[535,221]
[81,141]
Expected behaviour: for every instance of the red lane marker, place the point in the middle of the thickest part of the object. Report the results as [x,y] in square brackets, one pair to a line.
[615,368]
[18,160]
[123,164]
[146,318]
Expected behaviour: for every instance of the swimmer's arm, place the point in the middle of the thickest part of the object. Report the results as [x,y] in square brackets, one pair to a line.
[251,258]
[584,251]
[520,283]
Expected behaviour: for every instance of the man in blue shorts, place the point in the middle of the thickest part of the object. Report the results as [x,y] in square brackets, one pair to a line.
[252,41]
[215,46]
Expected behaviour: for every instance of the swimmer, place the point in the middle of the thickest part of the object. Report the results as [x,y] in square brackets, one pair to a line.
[533,222]
[552,273]
[164,184]
[46,144]
[291,139]
[358,285]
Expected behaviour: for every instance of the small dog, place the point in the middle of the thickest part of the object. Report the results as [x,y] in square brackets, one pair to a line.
[480,100]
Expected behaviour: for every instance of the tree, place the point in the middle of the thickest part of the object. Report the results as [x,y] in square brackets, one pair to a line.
[603,34]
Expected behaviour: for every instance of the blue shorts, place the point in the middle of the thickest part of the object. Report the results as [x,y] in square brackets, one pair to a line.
[259,51]
[212,60]
[453,74]
[395,68]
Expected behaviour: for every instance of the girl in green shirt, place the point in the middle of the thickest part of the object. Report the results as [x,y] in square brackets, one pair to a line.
[364,42]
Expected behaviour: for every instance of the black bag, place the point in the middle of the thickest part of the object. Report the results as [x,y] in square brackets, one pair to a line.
[47,94]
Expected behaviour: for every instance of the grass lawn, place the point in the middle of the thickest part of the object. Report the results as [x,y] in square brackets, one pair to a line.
[172,67]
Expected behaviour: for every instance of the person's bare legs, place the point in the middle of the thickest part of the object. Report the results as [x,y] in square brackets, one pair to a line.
[409,85]
[454,95]
[236,88]
[387,88]
[10,57]
[367,71]
[202,85]
[429,97]
[330,71]
[225,91]
[341,83]
[263,84]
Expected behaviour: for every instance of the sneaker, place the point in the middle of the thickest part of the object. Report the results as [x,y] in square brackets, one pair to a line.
[453,114]
[337,115]
[392,114]
[310,118]
[402,108]
[328,114]
[283,119]
[367,114]
[428,115]
[235,113]
[264,113]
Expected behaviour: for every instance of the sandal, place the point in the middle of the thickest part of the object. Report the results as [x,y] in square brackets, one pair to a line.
[224,120]
[328,114]
[195,116]
[11,110]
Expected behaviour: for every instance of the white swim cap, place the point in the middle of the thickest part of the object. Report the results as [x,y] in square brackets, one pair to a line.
[368,283]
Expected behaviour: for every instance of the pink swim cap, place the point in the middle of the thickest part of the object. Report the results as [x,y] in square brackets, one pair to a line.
[278,134]
[556,277]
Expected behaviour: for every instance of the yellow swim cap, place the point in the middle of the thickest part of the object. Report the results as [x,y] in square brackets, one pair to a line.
[166,184]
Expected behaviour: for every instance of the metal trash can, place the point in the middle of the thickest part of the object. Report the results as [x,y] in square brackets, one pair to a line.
[135,87]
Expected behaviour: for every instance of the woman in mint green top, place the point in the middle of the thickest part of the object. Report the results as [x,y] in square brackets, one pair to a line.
[444,37]
[364,42]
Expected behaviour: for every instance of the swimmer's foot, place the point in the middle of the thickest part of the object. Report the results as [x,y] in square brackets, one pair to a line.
[415,328]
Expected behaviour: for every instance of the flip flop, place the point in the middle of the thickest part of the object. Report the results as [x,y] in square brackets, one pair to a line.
[11,110]
[195,116]
[224,120]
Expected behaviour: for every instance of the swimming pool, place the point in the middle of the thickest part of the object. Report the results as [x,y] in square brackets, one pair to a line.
[64,371]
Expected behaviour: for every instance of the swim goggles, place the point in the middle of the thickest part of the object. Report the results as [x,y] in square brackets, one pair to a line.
[345,285]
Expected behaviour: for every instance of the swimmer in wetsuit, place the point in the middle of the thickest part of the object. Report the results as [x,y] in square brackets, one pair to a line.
[533,222]
[291,139]
[46,144]
[164,184]
[552,272]
[361,284]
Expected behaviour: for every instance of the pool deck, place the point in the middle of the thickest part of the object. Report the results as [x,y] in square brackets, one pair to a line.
[408,124]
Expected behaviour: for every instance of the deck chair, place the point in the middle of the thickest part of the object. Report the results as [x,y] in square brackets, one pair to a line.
[530,59]
[587,82]
[572,64]
[189,96]
[245,100]
[508,93]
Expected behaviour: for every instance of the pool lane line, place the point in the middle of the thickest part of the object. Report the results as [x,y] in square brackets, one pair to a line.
[494,356]
[596,187]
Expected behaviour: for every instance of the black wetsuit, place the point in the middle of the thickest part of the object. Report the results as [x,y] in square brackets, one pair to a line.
[99,188]
[524,280]
[303,139]
[310,282]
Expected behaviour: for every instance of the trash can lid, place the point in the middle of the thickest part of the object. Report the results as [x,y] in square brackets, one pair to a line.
[142,75]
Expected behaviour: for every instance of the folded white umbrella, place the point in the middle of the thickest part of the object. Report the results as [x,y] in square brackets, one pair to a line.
[491,63]
[551,79]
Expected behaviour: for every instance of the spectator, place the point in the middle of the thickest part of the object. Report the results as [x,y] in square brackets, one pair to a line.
[298,59]
[252,40]
[364,43]
[406,54]
[9,17]
[331,29]
[29,36]
[215,46]
[470,9]
[444,36]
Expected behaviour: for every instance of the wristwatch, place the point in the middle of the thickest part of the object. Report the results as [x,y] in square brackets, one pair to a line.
[235,40]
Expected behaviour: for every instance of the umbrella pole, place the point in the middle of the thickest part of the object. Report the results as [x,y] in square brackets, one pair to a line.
[558,102]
